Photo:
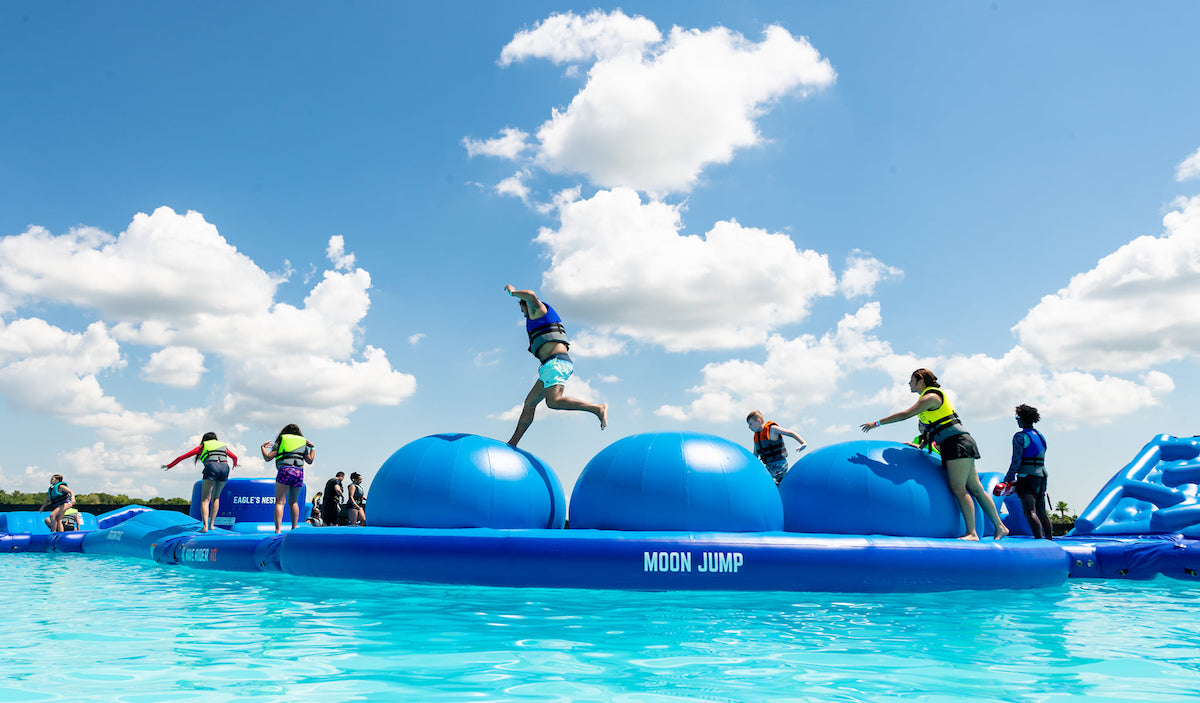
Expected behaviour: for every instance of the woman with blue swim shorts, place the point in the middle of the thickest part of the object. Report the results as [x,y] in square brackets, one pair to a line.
[215,455]
[548,342]
[291,451]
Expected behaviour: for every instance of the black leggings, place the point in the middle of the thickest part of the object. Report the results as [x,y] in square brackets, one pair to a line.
[1032,492]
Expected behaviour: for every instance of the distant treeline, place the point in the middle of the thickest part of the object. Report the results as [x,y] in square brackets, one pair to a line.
[22,498]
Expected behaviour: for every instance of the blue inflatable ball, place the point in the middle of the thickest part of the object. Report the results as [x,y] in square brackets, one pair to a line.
[676,481]
[464,480]
[872,488]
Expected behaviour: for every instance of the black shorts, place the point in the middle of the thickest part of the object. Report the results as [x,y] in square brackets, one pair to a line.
[1031,485]
[215,471]
[960,446]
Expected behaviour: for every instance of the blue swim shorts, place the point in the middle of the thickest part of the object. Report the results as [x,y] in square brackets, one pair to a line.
[778,469]
[555,372]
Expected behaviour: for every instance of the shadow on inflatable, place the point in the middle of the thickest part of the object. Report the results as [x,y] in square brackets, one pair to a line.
[672,511]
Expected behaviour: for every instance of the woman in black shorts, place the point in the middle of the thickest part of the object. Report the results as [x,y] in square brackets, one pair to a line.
[941,425]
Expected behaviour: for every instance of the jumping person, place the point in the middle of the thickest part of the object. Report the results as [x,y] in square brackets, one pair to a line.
[291,451]
[1028,469]
[768,444]
[59,498]
[215,455]
[548,342]
[940,423]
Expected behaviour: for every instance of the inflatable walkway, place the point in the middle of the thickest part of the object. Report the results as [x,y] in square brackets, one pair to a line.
[664,511]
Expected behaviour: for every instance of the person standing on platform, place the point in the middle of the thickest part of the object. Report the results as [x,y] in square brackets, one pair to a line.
[1028,470]
[291,451]
[215,455]
[331,505]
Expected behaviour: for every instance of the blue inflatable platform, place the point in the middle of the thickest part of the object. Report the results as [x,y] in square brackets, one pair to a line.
[671,511]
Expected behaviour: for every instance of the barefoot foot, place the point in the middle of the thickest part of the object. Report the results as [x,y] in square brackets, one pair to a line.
[603,415]
[970,537]
[1001,531]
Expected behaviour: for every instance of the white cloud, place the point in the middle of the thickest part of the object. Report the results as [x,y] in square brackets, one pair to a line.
[588,343]
[336,253]
[654,123]
[171,281]
[181,367]
[863,273]
[514,186]
[809,371]
[1135,309]
[623,268]
[491,357]
[508,145]
[1189,167]
[567,37]
[414,339]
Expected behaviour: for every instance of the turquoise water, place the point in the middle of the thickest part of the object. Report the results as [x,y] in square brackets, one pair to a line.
[83,628]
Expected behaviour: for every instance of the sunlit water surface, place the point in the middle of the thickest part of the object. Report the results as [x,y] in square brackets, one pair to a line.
[83,628]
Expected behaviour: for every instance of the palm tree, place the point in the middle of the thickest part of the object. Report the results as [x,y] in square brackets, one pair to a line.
[1061,507]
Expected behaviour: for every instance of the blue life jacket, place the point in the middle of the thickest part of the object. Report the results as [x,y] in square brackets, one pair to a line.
[546,329]
[56,495]
[1033,459]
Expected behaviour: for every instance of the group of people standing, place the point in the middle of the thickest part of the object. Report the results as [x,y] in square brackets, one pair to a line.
[338,506]
[942,431]
[290,450]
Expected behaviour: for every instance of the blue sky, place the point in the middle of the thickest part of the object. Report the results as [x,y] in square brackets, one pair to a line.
[306,212]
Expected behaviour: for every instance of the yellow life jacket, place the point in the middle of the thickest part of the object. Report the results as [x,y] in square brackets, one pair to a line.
[940,424]
[213,450]
[292,450]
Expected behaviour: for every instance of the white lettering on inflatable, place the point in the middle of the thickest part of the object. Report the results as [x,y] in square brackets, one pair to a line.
[253,500]
[721,562]
[115,534]
[676,562]
[667,561]
[198,554]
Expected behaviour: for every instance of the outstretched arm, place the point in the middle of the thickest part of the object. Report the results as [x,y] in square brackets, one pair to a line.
[531,301]
[180,458]
[777,431]
[928,401]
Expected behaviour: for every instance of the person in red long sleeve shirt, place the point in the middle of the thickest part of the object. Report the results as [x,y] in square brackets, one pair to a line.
[215,455]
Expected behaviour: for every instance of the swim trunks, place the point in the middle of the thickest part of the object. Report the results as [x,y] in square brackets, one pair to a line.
[555,371]
[1031,485]
[959,446]
[778,469]
[215,471]
[289,476]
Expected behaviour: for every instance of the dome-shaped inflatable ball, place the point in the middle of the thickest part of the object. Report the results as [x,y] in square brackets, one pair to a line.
[872,488]
[464,480]
[676,481]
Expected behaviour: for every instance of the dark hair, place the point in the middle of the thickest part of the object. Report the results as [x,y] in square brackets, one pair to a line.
[1027,414]
[354,475]
[926,377]
[207,436]
[289,429]
[340,473]
[56,478]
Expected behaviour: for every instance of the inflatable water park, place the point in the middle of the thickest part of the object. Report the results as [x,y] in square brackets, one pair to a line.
[670,511]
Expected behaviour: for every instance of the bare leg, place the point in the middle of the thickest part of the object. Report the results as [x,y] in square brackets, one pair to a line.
[556,400]
[531,400]
[280,494]
[294,499]
[218,486]
[956,477]
[205,495]
[985,501]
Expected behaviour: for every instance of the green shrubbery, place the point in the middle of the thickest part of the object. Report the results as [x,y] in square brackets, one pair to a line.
[22,498]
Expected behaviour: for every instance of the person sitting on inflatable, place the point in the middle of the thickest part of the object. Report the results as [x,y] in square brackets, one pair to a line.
[59,498]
